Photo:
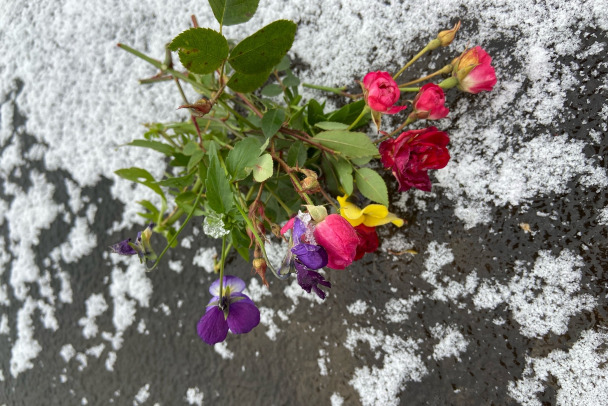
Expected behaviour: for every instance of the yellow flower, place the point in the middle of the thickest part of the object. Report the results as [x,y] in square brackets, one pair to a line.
[371,215]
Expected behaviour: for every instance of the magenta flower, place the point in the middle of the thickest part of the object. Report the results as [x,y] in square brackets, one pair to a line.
[381,92]
[228,310]
[412,154]
[339,239]
[430,103]
[474,71]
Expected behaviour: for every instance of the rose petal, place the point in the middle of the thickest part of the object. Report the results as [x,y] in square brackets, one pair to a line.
[212,327]
[339,239]
[243,315]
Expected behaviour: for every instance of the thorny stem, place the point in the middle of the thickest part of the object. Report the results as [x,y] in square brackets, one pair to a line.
[328,198]
[185,99]
[409,89]
[295,134]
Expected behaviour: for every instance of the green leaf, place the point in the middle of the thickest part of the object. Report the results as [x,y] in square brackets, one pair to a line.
[245,83]
[240,242]
[201,50]
[186,200]
[284,64]
[264,49]
[330,176]
[371,185]
[331,125]
[290,80]
[351,144]
[272,90]
[344,171]
[349,113]
[272,121]
[195,159]
[263,168]
[315,112]
[191,147]
[155,145]
[297,155]
[141,176]
[178,182]
[219,195]
[242,158]
[231,12]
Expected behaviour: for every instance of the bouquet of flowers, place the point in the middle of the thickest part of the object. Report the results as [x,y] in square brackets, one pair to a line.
[256,161]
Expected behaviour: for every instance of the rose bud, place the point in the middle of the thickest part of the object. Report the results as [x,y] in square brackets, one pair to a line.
[447,36]
[381,93]
[474,72]
[430,103]
[412,154]
[199,108]
[339,239]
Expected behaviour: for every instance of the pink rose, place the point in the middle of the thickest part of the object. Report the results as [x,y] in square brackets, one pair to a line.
[339,239]
[430,103]
[381,92]
[474,72]
[412,154]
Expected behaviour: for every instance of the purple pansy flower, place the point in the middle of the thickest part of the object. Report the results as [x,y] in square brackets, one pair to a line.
[306,257]
[229,310]
[140,247]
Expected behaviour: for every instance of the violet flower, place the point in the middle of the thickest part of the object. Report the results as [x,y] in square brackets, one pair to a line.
[140,247]
[229,310]
[307,257]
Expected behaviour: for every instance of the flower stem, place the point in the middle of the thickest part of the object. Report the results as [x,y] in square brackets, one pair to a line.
[409,120]
[336,90]
[407,65]
[409,89]
[223,258]
[445,69]
[363,113]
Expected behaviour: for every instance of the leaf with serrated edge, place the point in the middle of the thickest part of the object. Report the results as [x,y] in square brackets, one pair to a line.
[272,122]
[242,158]
[331,125]
[244,83]
[264,49]
[219,195]
[263,168]
[201,50]
[232,12]
[371,185]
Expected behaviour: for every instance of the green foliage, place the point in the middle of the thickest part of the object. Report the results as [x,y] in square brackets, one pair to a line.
[219,194]
[201,50]
[351,144]
[263,168]
[272,122]
[232,12]
[141,176]
[246,83]
[242,158]
[264,49]
[371,185]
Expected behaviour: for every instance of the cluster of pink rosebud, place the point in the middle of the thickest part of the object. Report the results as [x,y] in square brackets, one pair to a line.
[411,154]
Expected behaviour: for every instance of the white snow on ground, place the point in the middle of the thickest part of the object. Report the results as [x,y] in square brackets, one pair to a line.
[541,299]
[194,396]
[96,305]
[580,373]
[451,342]
[401,364]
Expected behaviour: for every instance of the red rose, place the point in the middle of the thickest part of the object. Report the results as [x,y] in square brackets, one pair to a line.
[430,103]
[339,239]
[368,240]
[381,92]
[474,72]
[412,154]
